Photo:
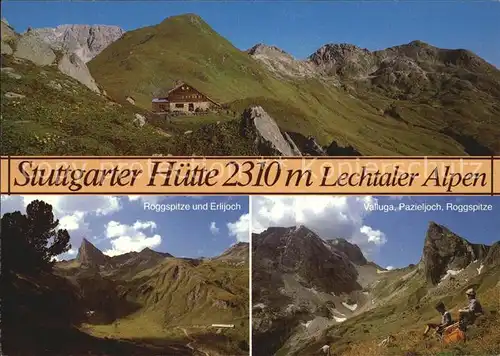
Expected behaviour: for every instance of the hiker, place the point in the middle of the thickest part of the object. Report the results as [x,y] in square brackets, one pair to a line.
[469,314]
[446,320]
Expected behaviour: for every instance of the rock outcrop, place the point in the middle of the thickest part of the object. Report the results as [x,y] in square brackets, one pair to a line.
[237,252]
[71,65]
[90,255]
[352,251]
[269,139]
[86,41]
[344,60]
[444,250]
[493,257]
[7,32]
[32,48]
[299,251]
[280,62]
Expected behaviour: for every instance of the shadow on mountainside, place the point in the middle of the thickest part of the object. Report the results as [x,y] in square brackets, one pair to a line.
[27,340]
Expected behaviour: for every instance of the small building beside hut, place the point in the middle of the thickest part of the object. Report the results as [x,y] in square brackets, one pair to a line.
[183,98]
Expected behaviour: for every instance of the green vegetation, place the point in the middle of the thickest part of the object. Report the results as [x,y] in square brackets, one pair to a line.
[164,309]
[449,120]
[60,116]
[404,317]
[32,239]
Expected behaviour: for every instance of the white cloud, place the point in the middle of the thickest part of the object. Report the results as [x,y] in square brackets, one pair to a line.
[72,222]
[328,216]
[389,268]
[72,252]
[70,210]
[126,238]
[73,212]
[240,229]
[151,199]
[375,236]
[214,230]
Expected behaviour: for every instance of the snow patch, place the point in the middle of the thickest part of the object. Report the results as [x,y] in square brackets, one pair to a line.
[339,320]
[259,306]
[312,290]
[306,325]
[450,273]
[480,269]
[352,307]
[366,293]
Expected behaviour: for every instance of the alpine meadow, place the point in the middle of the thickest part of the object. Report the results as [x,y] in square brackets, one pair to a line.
[88,90]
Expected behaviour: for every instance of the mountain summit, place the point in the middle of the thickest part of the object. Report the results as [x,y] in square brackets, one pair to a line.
[445,251]
[88,254]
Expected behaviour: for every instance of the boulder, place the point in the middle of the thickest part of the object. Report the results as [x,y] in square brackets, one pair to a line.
[11,95]
[139,120]
[73,66]
[268,137]
[32,48]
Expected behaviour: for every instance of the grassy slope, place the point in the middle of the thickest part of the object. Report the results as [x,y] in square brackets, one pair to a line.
[146,62]
[405,318]
[176,295]
[73,120]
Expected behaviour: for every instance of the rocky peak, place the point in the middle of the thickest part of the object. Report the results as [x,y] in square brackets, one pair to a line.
[88,254]
[269,140]
[343,60]
[298,250]
[352,251]
[444,250]
[238,251]
[261,48]
[86,41]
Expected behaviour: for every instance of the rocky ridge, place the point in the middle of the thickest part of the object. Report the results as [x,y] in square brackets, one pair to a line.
[445,251]
[291,308]
[85,41]
[36,47]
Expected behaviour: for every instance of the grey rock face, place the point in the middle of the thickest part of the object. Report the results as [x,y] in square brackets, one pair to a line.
[86,41]
[344,60]
[73,66]
[8,32]
[282,63]
[352,251]
[269,139]
[444,250]
[6,49]
[32,48]
[300,251]
[90,255]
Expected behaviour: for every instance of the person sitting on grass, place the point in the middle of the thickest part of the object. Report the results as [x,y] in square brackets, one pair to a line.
[469,314]
[446,320]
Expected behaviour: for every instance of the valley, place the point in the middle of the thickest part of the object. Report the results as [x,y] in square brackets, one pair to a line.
[137,303]
[309,293]
[410,99]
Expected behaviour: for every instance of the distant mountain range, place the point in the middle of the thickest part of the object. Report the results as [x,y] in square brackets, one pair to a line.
[309,292]
[412,99]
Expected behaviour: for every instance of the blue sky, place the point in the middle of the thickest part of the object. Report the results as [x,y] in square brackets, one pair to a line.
[388,238]
[405,230]
[297,27]
[121,224]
